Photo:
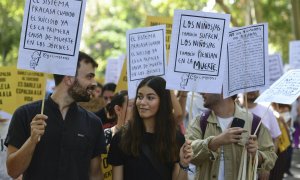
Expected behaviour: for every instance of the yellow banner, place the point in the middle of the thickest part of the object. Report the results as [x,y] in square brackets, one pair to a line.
[31,86]
[283,140]
[156,20]
[7,89]
[122,83]
[106,168]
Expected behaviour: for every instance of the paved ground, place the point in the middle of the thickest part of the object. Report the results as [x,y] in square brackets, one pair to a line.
[295,166]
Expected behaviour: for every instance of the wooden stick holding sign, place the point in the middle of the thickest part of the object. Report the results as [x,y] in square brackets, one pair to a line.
[51,46]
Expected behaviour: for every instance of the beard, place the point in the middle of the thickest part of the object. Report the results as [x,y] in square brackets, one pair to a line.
[79,93]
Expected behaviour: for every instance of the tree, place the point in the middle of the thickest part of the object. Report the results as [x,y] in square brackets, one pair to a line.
[276,13]
[106,23]
[10,31]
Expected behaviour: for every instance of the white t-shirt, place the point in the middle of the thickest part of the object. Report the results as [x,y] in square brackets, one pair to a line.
[224,123]
[269,120]
[3,131]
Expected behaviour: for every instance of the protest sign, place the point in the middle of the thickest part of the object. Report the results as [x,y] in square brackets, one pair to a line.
[122,83]
[112,70]
[7,89]
[146,55]
[247,66]
[285,90]
[50,36]
[156,20]
[294,54]
[275,67]
[31,86]
[198,49]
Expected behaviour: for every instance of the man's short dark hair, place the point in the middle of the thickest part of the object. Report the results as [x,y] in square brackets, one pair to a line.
[81,57]
[234,97]
[109,87]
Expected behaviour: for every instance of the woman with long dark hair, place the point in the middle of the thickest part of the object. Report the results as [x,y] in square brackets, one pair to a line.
[150,147]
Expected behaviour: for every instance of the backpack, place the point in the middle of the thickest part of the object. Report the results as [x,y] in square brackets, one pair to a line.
[203,122]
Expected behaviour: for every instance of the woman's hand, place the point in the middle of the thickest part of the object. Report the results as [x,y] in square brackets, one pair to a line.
[186,153]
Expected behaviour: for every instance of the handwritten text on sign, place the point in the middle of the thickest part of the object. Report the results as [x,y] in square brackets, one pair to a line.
[294,54]
[275,67]
[199,45]
[146,54]
[48,33]
[285,90]
[247,58]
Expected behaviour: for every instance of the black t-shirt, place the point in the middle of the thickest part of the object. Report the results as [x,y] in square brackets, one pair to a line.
[138,167]
[67,146]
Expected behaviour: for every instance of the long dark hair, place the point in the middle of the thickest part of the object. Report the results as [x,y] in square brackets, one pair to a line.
[165,145]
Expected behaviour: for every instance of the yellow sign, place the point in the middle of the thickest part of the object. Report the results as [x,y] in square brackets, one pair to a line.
[122,83]
[31,86]
[283,140]
[7,89]
[106,168]
[156,20]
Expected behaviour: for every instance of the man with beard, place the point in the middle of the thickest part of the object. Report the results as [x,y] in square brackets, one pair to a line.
[66,141]
[218,147]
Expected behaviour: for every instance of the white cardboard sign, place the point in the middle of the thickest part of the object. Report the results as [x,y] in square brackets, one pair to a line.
[198,51]
[50,37]
[247,65]
[146,55]
[285,90]
[113,69]
[275,67]
[294,54]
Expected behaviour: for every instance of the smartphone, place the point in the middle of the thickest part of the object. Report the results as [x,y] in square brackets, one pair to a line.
[237,122]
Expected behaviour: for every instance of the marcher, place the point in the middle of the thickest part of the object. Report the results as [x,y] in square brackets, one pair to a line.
[66,141]
[218,147]
[149,147]
[97,92]
[117,110]
[268,119]
[107,94]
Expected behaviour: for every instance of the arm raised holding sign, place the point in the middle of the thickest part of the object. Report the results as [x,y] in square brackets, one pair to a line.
[67,141]
[19,159]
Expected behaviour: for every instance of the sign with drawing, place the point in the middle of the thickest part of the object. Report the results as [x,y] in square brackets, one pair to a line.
[198,49]
[51,35]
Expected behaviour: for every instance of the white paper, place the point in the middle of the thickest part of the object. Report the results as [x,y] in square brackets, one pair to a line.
[285,90]
[198,51]
[247,65]
[113,70]
[275,67]
[294,54]
[50,37]
[146,54]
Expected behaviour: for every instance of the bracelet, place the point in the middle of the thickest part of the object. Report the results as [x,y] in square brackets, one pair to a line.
[185,168]
[183,95]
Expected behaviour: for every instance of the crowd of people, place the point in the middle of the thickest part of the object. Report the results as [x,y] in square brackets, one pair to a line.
[161,134]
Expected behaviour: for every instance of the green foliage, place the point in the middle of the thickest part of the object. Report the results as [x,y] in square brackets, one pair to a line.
[106,23]
[10,30]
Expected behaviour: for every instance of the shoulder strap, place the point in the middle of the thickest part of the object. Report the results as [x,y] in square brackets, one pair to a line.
[158,166]
[256,120]
[203,121]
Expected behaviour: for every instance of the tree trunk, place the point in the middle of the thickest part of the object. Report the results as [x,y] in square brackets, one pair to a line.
[296,18]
